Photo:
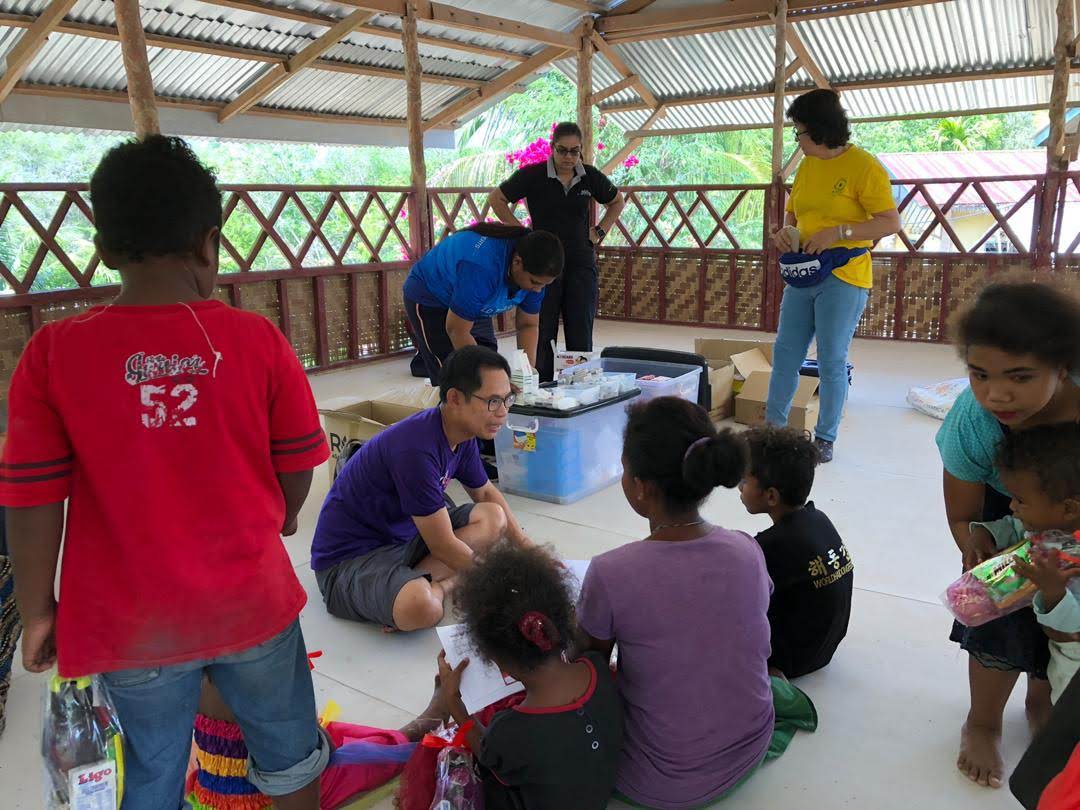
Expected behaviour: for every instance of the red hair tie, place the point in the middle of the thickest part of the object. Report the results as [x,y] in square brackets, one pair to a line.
[533,626]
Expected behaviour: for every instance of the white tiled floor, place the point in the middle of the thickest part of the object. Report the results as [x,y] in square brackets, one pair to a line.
[890,704]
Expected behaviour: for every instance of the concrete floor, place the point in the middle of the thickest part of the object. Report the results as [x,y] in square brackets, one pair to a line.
[890,704]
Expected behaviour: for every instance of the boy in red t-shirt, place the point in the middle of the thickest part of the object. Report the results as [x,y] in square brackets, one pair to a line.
[182,433]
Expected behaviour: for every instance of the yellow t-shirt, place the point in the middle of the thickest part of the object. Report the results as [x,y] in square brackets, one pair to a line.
[843,190]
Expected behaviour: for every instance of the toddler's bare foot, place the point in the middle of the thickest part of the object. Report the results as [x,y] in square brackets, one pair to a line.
[1038,704]
[980,755]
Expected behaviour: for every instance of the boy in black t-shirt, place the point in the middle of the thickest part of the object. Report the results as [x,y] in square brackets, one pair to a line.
[811,569]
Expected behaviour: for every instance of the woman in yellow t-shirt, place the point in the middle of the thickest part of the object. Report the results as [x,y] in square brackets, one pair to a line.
[841,203]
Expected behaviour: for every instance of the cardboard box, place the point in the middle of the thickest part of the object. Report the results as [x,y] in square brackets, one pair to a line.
[722,372]
[348,418]
[750,402]
[755,366]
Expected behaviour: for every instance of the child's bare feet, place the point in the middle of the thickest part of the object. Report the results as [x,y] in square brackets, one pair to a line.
[980,755]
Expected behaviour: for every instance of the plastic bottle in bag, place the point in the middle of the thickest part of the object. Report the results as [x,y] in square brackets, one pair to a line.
[457,787]
[82,746]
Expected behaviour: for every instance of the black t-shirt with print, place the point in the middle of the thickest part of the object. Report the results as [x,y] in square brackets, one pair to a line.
[563,211]
[559,757]
[812,574]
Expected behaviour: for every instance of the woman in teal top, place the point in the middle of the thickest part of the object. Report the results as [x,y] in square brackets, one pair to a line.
[1021,343]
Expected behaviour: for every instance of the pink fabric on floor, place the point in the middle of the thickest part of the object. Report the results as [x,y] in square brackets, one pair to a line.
[342,783]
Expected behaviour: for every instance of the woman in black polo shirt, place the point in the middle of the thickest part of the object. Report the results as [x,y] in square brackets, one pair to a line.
[558,194]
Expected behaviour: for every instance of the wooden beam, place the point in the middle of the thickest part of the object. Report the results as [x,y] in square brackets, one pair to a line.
[632,143]
[445,14]
[580,5]
[623,70]
[84,94]
[675,19]
[793,67]
[792,161]
[612,89]
[629,7]
[140,84]
[675,132]
[804,58]
[1064,54]
[798,11]
[475,98]
[251,54]
[414,115]
[300,15]
[858,84]
[298,61]
[23,53]
[779,65]
[584,90]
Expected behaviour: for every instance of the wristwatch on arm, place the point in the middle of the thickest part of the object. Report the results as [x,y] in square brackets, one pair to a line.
[600,232]
[847,232]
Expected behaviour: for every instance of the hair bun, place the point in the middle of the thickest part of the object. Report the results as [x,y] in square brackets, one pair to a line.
[716,461]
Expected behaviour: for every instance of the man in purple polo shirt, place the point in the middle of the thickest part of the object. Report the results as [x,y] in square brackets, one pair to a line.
[387,546]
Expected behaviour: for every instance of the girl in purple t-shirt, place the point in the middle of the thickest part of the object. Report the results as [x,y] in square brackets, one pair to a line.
[688,607]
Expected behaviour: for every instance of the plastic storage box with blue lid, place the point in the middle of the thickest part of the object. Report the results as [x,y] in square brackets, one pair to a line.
[562,456]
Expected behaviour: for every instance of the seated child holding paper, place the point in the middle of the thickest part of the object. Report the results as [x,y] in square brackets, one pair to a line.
[559,748]
[809,564]
[1041,468]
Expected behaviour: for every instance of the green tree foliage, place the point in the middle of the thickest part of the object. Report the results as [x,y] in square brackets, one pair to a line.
[479,161]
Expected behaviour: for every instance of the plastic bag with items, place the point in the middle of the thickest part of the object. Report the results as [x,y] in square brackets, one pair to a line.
[82,745]
[994,588]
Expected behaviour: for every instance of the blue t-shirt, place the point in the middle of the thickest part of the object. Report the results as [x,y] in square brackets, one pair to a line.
[468,274]
[402,472]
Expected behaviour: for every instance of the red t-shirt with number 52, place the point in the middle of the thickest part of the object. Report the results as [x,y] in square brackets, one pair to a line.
[168,455]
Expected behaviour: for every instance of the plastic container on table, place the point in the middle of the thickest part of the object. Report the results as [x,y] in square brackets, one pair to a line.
[626,380]
[683,379]
[584,393]
[562,456]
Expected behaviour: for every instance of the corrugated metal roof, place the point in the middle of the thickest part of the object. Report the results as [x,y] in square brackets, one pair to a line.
[935,38]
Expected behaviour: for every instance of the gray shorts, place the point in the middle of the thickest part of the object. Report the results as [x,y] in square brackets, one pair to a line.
[364,588]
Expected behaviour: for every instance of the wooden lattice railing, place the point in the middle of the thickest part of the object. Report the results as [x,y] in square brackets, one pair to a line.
[327,263]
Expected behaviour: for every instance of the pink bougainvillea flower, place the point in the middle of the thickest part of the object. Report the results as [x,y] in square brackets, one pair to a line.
[404,213]
[631,161]
[600,147]
[405,255]
[603,121]
[528,222]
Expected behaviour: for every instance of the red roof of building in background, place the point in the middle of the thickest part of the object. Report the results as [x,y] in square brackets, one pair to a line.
[1020,163]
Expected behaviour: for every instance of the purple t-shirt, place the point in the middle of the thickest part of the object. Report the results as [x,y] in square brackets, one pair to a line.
[691,622]
[402,472]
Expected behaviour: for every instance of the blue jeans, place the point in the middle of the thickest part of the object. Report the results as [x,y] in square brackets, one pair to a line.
[268,688]
[830,310]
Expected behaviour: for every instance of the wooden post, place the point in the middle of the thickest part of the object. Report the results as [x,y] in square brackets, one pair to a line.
[418,215]
[779,80]
[1057,160]
[140,85]
[584,90]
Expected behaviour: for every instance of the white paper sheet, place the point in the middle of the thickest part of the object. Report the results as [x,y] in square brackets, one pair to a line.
[481,684]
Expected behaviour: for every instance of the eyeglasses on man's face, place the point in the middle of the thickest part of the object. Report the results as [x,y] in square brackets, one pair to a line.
[797,133]
[562,151]
[494,403]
